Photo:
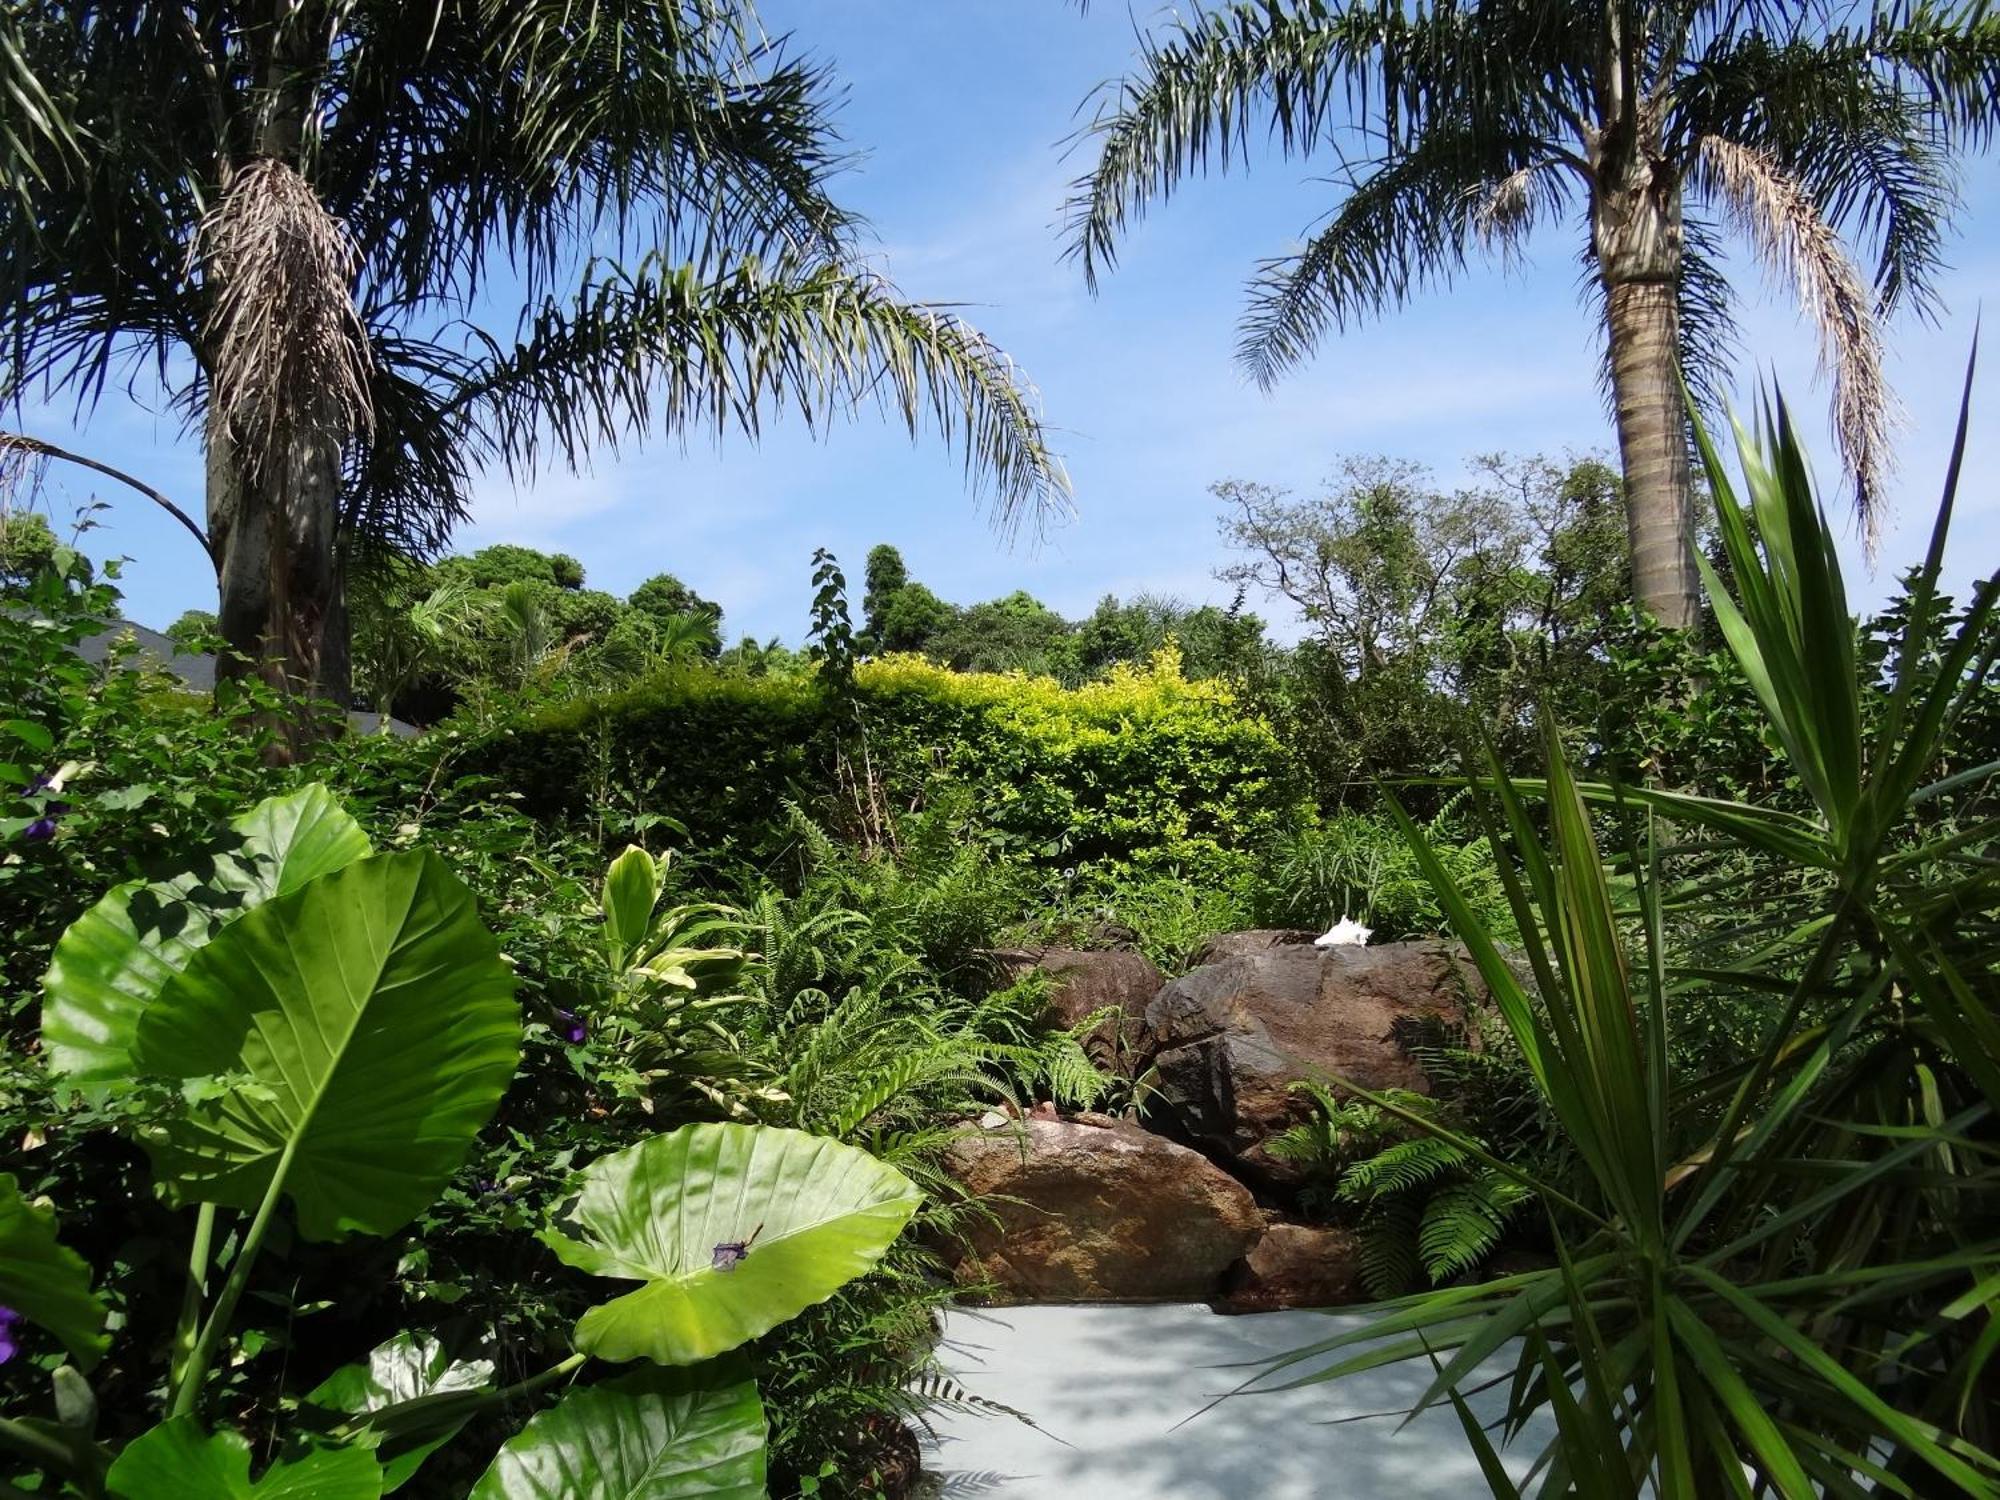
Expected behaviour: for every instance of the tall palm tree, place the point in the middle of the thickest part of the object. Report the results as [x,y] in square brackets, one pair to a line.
[371,246]
[1459,128]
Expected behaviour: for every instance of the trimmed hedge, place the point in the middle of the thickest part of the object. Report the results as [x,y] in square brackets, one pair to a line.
[1143,770]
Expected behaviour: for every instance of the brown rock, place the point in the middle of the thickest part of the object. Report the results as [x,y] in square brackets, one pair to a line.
[1229,1040]
[1086,1213]
[1084,983]
[1295,1265]
[1225,945]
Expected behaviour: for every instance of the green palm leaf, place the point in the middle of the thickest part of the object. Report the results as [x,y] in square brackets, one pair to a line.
[651,1435]
[351,1039]
[114,959]
[732,1228]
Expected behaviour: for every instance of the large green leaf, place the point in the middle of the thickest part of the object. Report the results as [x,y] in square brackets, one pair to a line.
[631,891]
[413,1377]
[178,1461]
[43,1280]
[650,1435]
[114,959]
[732,1228]
[353,1035]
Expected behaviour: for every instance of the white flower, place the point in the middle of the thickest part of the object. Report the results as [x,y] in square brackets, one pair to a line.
[1342,933]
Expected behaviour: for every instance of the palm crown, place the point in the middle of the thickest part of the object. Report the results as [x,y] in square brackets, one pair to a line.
[645,180]
[1461,128]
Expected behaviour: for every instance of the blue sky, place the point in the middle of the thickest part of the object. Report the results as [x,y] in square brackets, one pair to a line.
[959,112]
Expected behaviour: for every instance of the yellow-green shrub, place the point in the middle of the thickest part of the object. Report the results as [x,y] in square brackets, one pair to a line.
[1143,769]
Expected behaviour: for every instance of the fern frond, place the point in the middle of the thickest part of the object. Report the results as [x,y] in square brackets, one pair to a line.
[1389,1247]
[1399,1168]
[1460,1227]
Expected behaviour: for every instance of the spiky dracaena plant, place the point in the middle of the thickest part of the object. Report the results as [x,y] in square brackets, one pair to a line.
[1783,1279]
[1461,129]
[371,247]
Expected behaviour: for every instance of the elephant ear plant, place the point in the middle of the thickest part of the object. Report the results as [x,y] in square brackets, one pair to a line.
[301,1025]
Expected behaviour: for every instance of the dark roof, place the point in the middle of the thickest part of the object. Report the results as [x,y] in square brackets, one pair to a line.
[195,669]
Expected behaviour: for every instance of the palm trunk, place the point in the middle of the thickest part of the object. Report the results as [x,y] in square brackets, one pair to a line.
[272,515]
[282,604]
[1637,239]
[1644,329]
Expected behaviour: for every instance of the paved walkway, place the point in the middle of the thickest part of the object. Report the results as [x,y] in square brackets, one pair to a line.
[1112,1391]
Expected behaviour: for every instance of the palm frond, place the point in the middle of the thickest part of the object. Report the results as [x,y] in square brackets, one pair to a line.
[673,349]
[1403,228]
[1776,215]
[1193,99]
[1303,72]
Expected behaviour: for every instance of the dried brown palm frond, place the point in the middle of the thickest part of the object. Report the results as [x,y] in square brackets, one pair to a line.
[1774,212]
[288,353]
[1501,211]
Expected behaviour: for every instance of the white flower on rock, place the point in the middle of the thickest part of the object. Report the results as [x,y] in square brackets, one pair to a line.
[1343,933]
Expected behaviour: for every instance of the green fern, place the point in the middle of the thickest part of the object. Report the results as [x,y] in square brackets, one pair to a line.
[1463,1223]
[1412,1163]
[1389,1247]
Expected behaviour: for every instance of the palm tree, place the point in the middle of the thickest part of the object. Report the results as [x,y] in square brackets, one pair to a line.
[1462,127]
[372,246]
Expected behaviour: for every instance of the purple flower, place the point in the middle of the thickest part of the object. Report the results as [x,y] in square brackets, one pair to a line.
[8,1346]
[574,1031]
[41,830]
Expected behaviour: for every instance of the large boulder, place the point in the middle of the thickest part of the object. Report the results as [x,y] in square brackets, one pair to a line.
[1084,983]
[1231,1038]
[1227,945]
[1088,1212]
[1296,1265]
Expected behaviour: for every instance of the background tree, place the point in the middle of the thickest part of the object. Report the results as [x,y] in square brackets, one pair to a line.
[372,247]
[1432,615]
[913,618]
[27,545]
[191,627]
[1461,129]
[665,596]
[1225,643]
[1016,633]
[884,575]
[509,562]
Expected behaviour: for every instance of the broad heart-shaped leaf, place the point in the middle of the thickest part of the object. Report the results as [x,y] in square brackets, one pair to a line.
[650,1435]
[45,1281]
[114,959]
[357,1032]
[733,1228]
[413,1376]
[178,1461]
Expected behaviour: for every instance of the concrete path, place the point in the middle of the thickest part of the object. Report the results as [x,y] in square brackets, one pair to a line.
[1107,1387]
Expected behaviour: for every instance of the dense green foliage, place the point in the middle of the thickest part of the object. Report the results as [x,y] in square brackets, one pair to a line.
[851,833]
[296,1020]
[1142,770]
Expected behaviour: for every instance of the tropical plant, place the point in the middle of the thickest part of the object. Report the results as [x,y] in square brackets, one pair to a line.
[294,211]
[1462,129]
[670,978]
[1780,1277]
[1422,1204]
[405,644]
[300,1020]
